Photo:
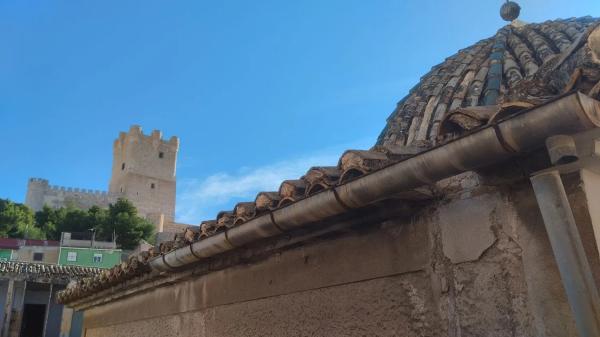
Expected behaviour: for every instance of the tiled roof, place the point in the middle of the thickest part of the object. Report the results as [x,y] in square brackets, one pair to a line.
[135,266]
[8,243]
[524,63]
[44,269]
[518,68]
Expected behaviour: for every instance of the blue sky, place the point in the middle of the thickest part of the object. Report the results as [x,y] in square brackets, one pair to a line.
[258,91]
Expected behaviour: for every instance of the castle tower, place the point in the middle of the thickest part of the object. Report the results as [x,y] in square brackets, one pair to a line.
[143,171]
[36,189]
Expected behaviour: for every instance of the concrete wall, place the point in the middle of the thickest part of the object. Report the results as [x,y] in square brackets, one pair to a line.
[477,263]
[25,253]
[85,257]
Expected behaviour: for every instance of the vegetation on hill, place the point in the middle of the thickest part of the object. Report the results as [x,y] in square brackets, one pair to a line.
[17,221]
[121,219]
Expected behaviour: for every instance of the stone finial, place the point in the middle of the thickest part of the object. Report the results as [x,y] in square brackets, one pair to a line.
[510,10]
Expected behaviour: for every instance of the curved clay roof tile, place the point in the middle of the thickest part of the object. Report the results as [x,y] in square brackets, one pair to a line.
[355,163]
[292,188]
[320,178]
[207,228]
[291,191]
[243,212]
[225,220]
[267,201]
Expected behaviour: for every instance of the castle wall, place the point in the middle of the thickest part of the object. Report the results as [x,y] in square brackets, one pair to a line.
[40,193]
[143,171]
[477,263]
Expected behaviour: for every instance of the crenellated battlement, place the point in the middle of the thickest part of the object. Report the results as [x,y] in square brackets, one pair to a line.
[65,189]
[40,193]
[138,155]
[45,186]
[135,133]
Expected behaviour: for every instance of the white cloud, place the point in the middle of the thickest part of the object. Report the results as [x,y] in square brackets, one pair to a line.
[202,199]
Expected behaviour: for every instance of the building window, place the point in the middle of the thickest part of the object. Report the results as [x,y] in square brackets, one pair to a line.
[123,167]
[97,258]
[72,256]
[161,155]
[38,256]
[152,186]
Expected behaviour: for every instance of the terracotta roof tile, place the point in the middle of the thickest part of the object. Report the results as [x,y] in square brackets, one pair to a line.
[450,85]
[267,201]
[291,191]
[44,269]
[243,212]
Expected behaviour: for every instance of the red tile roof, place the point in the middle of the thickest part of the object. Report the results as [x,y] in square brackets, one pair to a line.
[9,243]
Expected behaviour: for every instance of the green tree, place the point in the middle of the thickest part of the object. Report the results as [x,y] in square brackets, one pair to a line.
[65,219]
[120,219]
[123,220]
[18,221]
[47,220]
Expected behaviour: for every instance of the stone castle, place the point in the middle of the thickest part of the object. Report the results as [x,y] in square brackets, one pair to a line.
[143,171]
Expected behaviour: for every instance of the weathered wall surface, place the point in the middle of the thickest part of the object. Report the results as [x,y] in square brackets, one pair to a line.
[394,306]
[477,263]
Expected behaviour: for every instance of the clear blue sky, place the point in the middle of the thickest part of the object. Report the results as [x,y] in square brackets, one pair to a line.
[257,90]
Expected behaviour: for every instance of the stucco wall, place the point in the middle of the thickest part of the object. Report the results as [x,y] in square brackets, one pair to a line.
[477,263]
[85,257]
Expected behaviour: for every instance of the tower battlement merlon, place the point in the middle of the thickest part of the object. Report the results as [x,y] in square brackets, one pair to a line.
[135,133]
[39,181]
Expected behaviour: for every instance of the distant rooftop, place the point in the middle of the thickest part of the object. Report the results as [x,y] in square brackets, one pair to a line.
[44,272]
[9,243]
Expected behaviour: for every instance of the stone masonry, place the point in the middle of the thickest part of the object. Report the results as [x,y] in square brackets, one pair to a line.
[143,171]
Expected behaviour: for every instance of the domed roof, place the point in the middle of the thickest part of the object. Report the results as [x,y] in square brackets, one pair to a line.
[523,65]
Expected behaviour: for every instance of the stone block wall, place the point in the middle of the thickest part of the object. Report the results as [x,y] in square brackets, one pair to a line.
[40,193]
[143,171]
